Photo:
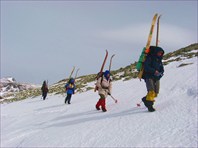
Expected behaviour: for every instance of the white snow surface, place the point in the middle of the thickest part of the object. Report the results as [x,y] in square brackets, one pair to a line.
[51,123]
[7,80]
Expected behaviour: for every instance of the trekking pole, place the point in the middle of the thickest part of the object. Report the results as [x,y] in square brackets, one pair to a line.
[138,104]
[116,101]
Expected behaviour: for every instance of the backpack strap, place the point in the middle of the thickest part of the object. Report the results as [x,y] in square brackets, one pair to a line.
[101,79]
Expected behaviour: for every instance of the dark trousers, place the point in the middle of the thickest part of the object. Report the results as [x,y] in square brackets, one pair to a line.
[44,95]
[152,85]
[68,98]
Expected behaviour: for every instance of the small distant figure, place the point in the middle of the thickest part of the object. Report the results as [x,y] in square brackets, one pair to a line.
[70,90]
[44,89]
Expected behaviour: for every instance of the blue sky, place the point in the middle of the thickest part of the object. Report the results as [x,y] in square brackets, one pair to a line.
[44,39]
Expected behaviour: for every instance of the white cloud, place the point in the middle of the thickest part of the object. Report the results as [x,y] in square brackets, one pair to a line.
[176,36]
[170,36]
[134,33]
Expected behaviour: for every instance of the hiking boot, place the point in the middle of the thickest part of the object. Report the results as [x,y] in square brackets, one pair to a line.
[145,102]
[98,108]
[151,109]
[104,109]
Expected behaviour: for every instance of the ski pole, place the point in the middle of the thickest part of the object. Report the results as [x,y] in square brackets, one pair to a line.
[116,101]
[138,104]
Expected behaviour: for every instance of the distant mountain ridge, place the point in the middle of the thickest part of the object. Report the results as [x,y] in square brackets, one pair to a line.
[85,83]
[9,85]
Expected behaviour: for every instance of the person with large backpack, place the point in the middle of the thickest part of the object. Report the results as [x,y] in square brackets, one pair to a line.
[44,89]
[153,71]
[104,87]
[70,90]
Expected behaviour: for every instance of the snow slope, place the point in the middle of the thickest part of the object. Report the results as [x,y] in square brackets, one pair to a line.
[51,123]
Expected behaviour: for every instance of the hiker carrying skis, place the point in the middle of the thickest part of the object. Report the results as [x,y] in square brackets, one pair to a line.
[104,87]
[153,71]
[44,89]
[70,90]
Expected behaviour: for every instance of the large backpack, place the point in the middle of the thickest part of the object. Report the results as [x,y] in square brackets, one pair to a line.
[146,52]
[151,52]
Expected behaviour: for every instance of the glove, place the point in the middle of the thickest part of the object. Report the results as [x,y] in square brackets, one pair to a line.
[158,76]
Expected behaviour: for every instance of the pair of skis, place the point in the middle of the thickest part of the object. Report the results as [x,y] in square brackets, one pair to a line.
[147,48]
[73,72]
[103,64]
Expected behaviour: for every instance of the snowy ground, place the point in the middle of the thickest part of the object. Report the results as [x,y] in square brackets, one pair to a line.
[51,123]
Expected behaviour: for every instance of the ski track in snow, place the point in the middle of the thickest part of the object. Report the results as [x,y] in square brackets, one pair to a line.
[51,123]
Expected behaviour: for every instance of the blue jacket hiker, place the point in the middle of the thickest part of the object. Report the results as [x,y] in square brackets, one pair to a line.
[153,71]
[70,89]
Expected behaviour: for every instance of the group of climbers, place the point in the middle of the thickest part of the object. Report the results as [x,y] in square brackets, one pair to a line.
[153,71]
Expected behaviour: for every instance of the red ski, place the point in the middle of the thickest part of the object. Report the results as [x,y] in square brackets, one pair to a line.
[101,70]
